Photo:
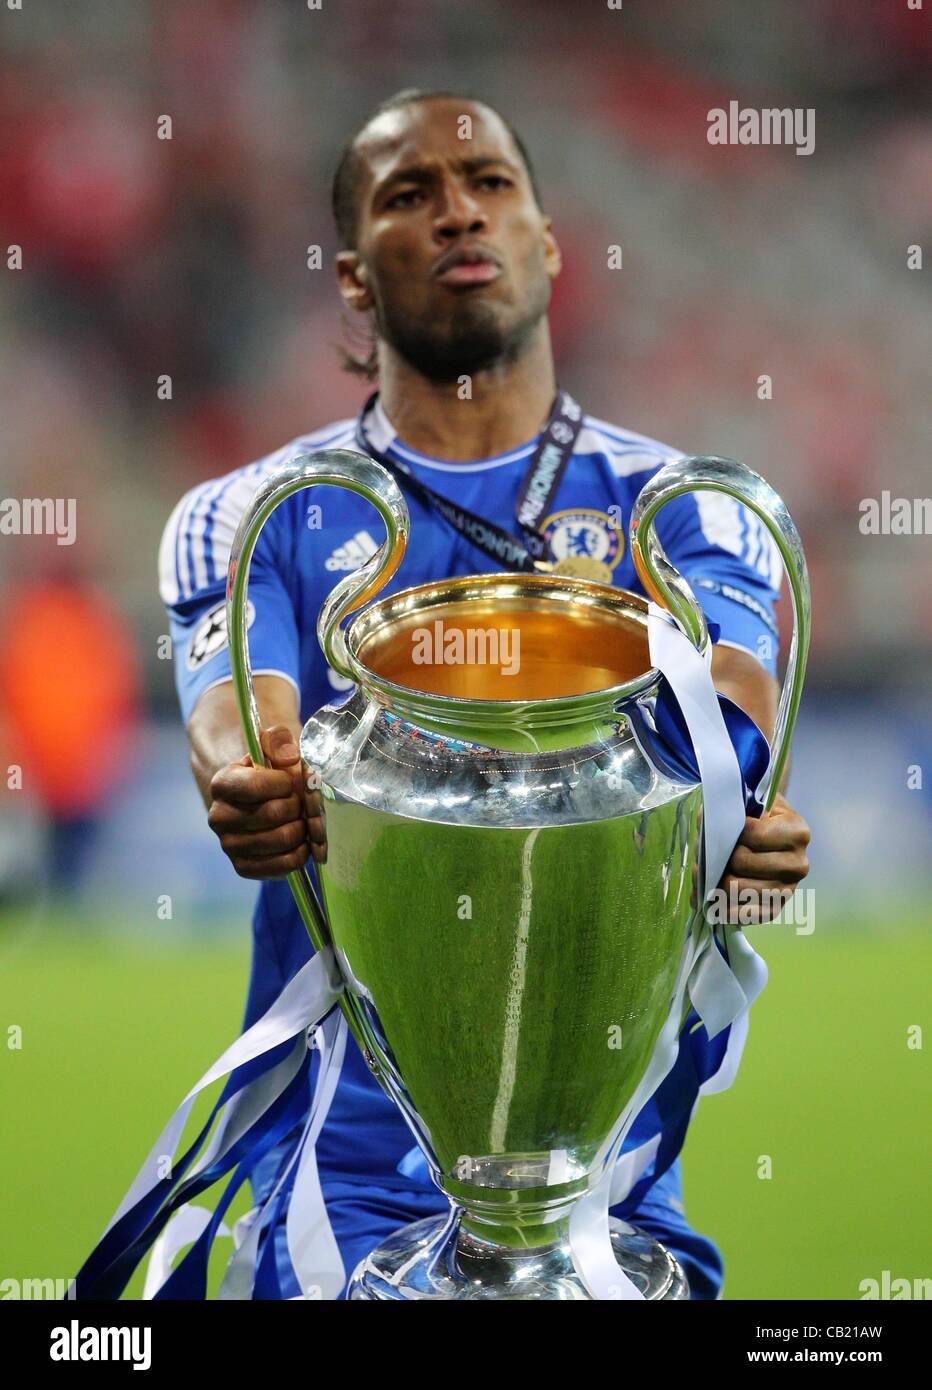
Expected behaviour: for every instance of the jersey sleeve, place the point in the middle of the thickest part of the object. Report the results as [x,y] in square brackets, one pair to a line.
[733,566]
[193,559]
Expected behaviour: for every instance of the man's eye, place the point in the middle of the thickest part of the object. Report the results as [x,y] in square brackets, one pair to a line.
[498,179]
[404,199]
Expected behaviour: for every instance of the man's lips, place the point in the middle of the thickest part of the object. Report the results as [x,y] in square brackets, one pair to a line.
[468,265]
[470,273]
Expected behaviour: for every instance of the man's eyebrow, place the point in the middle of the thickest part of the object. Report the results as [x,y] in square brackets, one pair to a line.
[482,161]
[423,173]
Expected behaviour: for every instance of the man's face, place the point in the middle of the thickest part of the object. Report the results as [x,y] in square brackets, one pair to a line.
[453,255]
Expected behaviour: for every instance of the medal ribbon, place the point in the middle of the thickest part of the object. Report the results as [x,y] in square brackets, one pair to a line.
[554,449]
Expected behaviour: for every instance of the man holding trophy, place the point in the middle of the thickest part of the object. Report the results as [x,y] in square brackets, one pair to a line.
[447,251]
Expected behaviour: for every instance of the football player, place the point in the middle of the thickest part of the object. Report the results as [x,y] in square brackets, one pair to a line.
[448,254]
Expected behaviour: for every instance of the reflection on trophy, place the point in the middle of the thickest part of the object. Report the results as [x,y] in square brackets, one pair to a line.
[511,875]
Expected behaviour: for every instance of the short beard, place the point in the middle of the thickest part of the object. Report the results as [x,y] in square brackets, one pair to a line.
[473,342]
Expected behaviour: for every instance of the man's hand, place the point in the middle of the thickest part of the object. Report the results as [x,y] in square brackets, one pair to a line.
[770,857]
[266,818]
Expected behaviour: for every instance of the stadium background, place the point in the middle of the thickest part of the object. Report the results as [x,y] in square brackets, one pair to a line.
[188,257]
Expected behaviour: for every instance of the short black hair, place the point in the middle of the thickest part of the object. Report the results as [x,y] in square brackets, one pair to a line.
[346,179]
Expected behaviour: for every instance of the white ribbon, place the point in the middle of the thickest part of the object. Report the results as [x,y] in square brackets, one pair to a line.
[184,1228]
[750,971]
[306,999]
[689,676]
[721,991]
[312,1246]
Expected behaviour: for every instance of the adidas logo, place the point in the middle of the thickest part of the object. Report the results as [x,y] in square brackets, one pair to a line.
[352,554]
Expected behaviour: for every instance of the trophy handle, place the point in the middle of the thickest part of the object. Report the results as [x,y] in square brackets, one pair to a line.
[667,587]
[337,468]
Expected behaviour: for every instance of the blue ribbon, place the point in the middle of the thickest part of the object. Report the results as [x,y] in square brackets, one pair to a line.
[110,1265]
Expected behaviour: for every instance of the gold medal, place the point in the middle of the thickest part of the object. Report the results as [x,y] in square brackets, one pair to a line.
[584,567]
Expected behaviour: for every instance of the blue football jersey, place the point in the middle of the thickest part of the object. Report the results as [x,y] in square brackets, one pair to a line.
[321,534]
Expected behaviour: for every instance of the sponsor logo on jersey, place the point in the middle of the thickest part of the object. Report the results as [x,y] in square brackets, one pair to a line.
[579,534]
[210,635]
[713,586]
[352,554]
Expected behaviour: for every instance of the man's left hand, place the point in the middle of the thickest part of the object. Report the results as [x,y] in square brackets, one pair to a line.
[769,858]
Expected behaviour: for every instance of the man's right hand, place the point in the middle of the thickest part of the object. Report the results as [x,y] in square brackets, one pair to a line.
[267,820]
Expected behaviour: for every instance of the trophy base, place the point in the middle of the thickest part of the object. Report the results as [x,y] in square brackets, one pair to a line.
[435,1258]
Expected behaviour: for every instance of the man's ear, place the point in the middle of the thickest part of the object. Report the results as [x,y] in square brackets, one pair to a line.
[553,258]
[353,281]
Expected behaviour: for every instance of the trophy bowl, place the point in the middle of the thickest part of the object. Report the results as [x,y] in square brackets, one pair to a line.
[508,886]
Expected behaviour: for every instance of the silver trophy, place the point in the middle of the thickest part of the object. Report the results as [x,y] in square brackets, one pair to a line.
[511,871]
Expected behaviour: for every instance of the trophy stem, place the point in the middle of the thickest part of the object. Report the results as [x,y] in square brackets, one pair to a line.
[530,1230]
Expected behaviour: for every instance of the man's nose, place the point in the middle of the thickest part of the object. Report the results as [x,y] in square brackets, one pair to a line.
[460,211]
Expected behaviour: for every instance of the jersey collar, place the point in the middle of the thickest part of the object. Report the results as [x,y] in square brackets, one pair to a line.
[385,439]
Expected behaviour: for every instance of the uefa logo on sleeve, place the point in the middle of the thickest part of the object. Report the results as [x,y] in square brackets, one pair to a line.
[210,635]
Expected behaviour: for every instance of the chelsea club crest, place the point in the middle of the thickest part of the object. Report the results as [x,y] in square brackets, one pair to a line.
[586,544]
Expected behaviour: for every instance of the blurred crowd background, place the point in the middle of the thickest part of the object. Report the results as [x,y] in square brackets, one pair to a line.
[187,257]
